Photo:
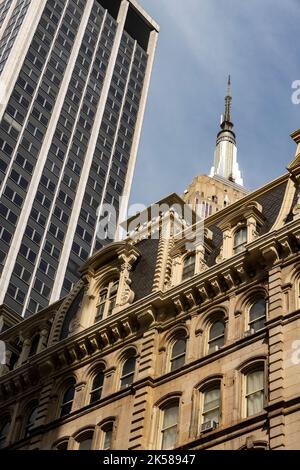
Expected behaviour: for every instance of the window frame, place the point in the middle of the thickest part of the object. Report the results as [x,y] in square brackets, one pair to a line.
[254,300]
[71,384]
[161,428]
[94,390]
[256,365]
[129,356]
[82,436]
[239,248]
[209,340]
[173,359]
[186,268]
[206,389]
[28,422]
[108,303]
[107,427]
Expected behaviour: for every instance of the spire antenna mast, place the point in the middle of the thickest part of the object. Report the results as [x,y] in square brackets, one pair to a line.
[228,99]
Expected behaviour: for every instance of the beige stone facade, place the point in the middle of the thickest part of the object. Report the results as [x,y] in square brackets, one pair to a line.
[209,195]
[168,344]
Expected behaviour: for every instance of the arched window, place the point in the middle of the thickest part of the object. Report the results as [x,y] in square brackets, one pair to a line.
[30,420]
[97,387]
[169,425]
[70,316]
[188,266]
[107,300]
[216,336]
[67,400]
[4,431]
[178,354]
[85,440]
[107,436]
[240,240]
[62,445]
[254,391]
[257,315]
[128,370]
[211,405]
[34,345]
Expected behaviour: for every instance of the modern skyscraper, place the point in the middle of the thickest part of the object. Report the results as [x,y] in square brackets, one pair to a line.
[209,194]
[74,78]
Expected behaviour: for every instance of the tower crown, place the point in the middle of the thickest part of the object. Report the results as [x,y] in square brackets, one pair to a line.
[225,161]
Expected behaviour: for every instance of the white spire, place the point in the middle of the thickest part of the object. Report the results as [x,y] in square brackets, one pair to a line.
[225,162]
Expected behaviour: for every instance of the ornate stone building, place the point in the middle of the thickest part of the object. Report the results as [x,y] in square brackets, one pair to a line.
[169,341]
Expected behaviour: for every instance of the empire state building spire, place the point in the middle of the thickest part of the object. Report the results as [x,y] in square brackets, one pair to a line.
[225,162]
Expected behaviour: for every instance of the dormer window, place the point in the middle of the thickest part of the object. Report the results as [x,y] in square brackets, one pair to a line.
[189,267]
[107,300]
[240,240]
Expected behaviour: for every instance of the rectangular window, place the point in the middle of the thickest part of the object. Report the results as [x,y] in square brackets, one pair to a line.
[169,427]
[211,405]
[254,392]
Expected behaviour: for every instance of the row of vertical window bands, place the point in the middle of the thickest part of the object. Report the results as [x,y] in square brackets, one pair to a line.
[209,409]
[4,8]
[14,24]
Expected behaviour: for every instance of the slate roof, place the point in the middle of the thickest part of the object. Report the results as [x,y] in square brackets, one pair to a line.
[270,201]
[143,271]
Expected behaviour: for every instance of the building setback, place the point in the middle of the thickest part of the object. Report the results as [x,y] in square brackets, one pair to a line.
[165,344]
[74,78]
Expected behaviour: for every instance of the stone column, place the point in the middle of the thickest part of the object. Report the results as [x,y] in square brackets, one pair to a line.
[43,340]
[25,351]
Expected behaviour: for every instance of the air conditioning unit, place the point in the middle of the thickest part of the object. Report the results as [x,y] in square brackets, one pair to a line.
[213,349]
[209,426]
[249,332]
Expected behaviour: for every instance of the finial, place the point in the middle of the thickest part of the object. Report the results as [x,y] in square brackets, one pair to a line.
[229,86]
[227,116]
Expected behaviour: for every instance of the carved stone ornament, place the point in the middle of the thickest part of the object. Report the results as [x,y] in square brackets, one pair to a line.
[296,209]
[202,266]
[219,258]
[126,294]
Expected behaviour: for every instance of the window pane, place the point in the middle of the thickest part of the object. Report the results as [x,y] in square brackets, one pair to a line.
[170,416]
[62,445]
[255,392]
[66,409]
[98,380]
[107,439]
[128,380]
[129,366]
[86,444]
[258,310]
[69,394]
[217,329]
[255,403]
[255,381]
[169,438]
[179,348]
[211,399]
[100,311]
[177,363]
[188,267]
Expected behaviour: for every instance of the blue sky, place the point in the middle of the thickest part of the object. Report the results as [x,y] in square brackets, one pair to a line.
[200,43]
